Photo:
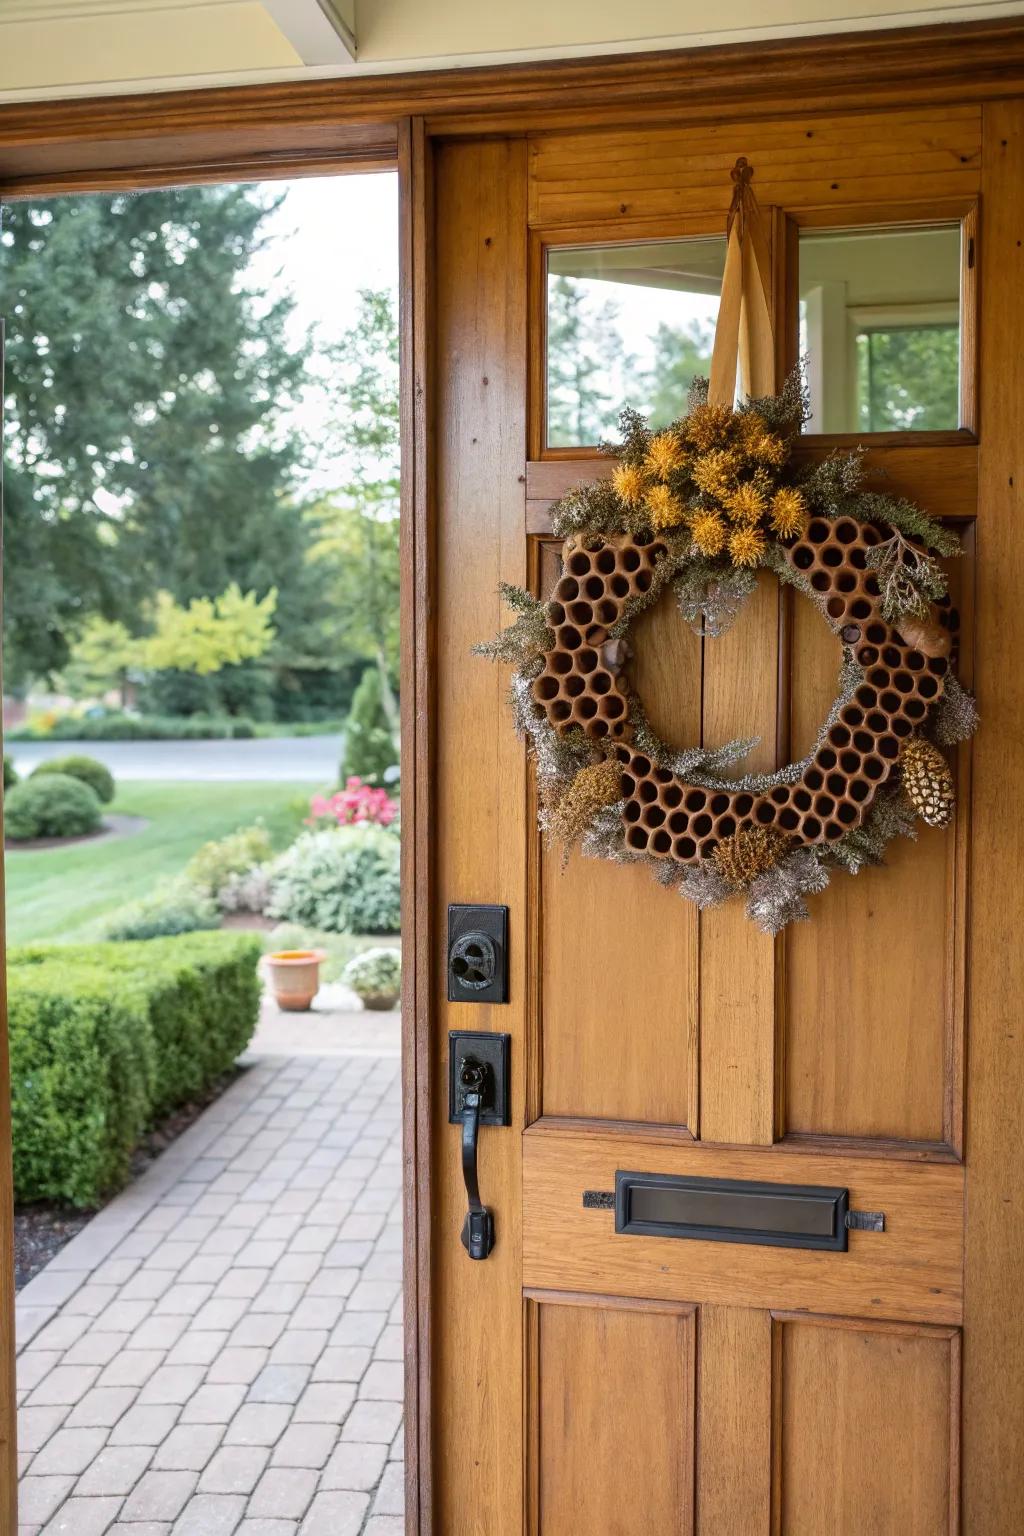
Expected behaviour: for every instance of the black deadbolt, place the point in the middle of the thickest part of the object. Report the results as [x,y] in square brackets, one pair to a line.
[477,954]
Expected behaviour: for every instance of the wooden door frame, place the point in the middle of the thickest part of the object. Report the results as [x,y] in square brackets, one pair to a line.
[385,122]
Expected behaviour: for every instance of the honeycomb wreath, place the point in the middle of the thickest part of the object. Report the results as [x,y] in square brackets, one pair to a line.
[694,511]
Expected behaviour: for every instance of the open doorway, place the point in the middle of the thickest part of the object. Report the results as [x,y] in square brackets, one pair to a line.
[201,718]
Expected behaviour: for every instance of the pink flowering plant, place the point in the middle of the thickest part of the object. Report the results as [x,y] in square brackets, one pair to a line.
[356,804]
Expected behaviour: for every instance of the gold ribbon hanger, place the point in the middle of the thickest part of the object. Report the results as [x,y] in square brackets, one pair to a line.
[744,331]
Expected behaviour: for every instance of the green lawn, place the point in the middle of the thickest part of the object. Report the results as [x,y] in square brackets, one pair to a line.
[68,893]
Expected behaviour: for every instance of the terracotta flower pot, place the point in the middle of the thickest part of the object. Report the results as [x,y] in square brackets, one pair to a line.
[295,977]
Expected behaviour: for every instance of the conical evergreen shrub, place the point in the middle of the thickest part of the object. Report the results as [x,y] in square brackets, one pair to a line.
[370,748]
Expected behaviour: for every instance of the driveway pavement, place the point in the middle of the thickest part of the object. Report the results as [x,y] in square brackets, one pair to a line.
[300,759]
[219,1352]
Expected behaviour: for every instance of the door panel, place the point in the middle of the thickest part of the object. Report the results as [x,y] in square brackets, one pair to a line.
[612,1416]
[911,1271]
[747,1389]
[867,1425]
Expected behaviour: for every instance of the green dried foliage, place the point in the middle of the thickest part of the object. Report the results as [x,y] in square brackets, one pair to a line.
[588,508]
[830,485]
[786,412]
[635,437]
[528,637]
[955,717]
[910,580]
[908,519]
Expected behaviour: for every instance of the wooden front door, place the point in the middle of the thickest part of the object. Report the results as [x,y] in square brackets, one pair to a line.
[583,1382]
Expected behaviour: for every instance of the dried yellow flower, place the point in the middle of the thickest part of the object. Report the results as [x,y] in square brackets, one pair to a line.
[629,483]
[928,782]
[665,454]
[708,426]
[714,473]
[666,510]
[750,852]
[592,789]
[709,533]
[789,512]
[758,441]
[747,545]
[747,503]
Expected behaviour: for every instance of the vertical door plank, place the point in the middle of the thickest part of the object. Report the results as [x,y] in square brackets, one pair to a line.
[737,961]
[994,1322]
[479,809]
[618,972]
[734,1396]
[613,1411]
[864,1014]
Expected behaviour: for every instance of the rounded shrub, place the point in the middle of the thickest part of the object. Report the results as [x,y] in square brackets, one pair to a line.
[88,769]
[175,907]
[10,773]
[375,976]
[345,880]
[53,805]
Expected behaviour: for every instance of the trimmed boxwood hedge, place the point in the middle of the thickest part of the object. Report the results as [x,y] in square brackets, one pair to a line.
[88,769]
[104,1038]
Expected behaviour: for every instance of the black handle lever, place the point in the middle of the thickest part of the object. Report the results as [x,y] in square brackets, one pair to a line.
[478,1228]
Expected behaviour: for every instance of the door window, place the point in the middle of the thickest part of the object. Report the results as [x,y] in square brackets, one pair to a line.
[880,328]
[627,323]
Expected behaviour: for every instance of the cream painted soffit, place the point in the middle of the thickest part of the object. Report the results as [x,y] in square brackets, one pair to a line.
[63,48]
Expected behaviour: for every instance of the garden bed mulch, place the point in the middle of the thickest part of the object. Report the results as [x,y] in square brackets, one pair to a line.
[110,828]
[41,1231]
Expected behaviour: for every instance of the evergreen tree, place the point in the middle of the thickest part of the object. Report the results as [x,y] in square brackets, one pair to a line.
[356,526]
[144,393]
[585,356]
[681,354]
[370,747]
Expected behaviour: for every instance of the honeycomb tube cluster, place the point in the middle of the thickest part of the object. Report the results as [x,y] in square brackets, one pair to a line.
[581,685]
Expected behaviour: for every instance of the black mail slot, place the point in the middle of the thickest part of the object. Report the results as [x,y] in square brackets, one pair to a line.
[731,1211]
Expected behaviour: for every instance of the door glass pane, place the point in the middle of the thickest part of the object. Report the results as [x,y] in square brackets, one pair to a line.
[627,324]
[880,328]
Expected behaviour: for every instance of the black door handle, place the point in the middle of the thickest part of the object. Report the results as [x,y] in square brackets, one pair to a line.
[479,1093]
[478,1228]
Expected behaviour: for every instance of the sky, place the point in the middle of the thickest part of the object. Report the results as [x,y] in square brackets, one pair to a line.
[330,237]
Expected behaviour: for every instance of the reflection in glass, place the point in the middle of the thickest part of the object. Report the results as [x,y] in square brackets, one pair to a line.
[880,328]
[627,323]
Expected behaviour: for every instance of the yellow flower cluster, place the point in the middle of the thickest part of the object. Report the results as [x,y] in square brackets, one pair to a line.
[731,460]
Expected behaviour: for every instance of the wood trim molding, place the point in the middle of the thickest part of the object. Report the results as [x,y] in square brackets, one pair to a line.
[183,130]
[415,168]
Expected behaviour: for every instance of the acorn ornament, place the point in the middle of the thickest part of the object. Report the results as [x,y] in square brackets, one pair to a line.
[928,782]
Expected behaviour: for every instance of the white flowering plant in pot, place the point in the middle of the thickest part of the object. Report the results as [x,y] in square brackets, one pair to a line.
[375,977]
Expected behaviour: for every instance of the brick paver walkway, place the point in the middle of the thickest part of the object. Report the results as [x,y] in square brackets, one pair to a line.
[220,1350]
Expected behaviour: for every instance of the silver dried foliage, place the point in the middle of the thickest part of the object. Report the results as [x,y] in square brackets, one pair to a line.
[604,838]
[890,816]
[704,886]
[710,597]
[777,897]
[956,716]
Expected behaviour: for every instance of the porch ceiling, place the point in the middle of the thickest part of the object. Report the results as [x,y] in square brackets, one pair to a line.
[53,48]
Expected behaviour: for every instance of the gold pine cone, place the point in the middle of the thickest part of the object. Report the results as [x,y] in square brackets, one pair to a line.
[750,852]
[928,782]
